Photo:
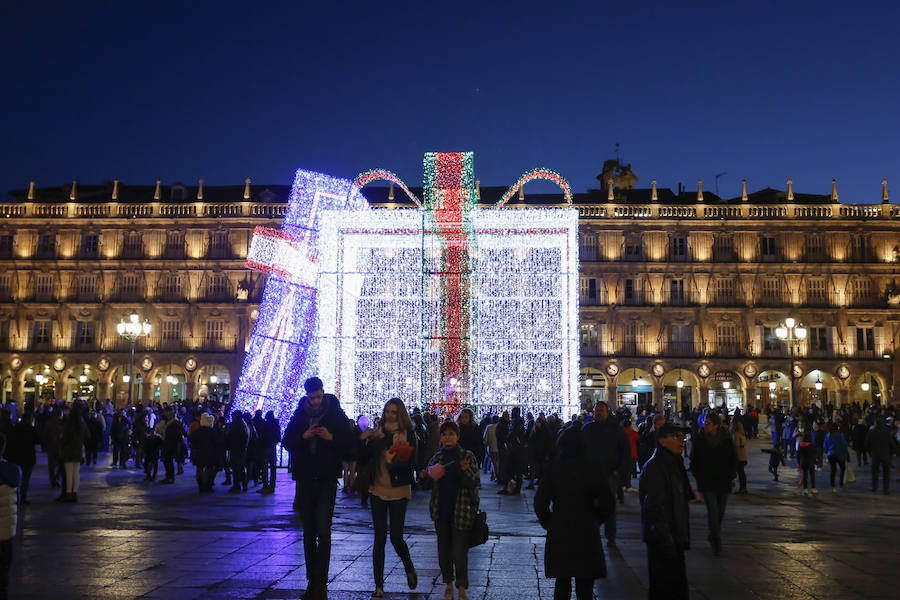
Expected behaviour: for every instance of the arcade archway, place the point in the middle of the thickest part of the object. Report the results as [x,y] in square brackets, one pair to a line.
[680,396]
[593,387]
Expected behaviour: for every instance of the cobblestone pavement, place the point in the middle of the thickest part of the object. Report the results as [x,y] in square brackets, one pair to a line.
[129,539]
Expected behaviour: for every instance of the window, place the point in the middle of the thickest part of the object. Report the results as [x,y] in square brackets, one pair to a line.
[171,331]
[5,287]
[176,193]
[41,333]
[84,333]
[589,339]
[128,286]
[726,339]
[587,247]
[860,247]
[171,287]
[4,334]
[215,330]
[174,244]
[133,246]
[6,245]
[90,245]
[676,291]
[767,247]
[87,287]
[589,295]
[818,338]
[43,287]
[678,247]
[217,287]
[632,294]
[46,247]
[770,340]
[862,291]
[865,339]
[218,245]
[815,291]
[682,338]
[771,291]
[815,246]
[724,291]
[633,247]
[723,248]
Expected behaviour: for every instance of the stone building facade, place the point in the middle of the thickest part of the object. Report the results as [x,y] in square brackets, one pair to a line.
[675,286]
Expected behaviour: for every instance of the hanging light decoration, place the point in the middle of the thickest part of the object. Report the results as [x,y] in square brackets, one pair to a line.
[680,383]
[588,382]
[634,379]
[819,383]
[772,385]
[865,383]
[726,384]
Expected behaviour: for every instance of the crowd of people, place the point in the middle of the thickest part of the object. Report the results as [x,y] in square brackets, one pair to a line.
[582,466]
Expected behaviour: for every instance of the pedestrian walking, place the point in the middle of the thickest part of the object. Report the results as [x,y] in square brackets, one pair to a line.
[665,492]
[452,474]
[713,463]
[570,505]
[391,447]
[859,432]
[776,458]
[172,440]
[881,445]
[609,450]
[10,478]
[740,448]
[806,460]
[838,454]
[21,450]
[72,440]
[206,444]
[269,436]
[237,443]
[318,436]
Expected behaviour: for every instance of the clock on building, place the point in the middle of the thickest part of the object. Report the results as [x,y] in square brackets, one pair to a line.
[703,371]
[612,369]
[797,371]
[750,371]
[146,364]
[658,370]
[59,364]
[103,364]
[190,364]
[16,363]
[843,372]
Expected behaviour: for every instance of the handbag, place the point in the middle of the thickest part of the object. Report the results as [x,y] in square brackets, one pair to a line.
[478,535]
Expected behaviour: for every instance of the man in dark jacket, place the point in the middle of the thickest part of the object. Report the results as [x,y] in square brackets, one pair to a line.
[880,444]
[172,438]
[665,492]
[714,464]
[609,450]
[206,445]
[318,436]
[237,443]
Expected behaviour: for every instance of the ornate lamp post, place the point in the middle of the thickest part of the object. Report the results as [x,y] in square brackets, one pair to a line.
[791,332]
[132,329]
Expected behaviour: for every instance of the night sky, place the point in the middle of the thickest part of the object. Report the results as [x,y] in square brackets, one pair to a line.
[141,91]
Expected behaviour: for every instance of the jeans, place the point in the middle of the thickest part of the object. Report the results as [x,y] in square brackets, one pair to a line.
[884,466]
[380,511]
[715,512]
[609,526]
[453,551]
[861,458]
[316,508]
[668,575]
[562,589]
[742,475]
[837,462]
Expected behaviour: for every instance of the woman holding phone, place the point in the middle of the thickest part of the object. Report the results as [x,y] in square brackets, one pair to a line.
[391,445]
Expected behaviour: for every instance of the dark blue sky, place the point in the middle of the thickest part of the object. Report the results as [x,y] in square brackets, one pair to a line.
[178,91]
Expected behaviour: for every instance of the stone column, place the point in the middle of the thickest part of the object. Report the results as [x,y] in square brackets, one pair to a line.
[103,387]
[59,388]
[190,387]
[658,395]
[18,390]
[844,396]
[704,393]
[146,392]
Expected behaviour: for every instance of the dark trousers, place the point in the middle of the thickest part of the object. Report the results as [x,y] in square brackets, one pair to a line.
[609,526]
[151,466]
[837,462]
[26,479]
[120,453]
[54,468]
[6,556]
[316,508]
[169,463]
[742,475]
[715,512]
[205,477]
[238,464]
[269,469]
[668,575]
[381,510]
[861,458]
[562,589]
[879,464]
[808,477]
[453,553]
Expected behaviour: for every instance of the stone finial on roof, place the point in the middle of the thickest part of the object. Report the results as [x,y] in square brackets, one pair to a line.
[522,193]
[200,190]
[477,190]
[391,192]
[247,189]
[73,193]
[834,194]
[653,196]
[156,191]
[31,190]
[699,190]
[744,190]
[884,193]
[115,192]
[790,192]
[610,196]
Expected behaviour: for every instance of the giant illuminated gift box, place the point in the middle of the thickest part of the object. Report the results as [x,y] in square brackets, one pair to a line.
[444,306]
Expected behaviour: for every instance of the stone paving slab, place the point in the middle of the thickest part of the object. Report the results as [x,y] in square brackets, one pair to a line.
[127,538]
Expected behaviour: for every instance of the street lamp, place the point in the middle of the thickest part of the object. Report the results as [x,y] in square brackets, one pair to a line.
[791,332]
[132,329]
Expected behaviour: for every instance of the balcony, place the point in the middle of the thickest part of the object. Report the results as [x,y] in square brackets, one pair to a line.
[725,349]
[159,344]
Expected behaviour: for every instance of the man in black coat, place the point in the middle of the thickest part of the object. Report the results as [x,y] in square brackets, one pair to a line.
[665,492]
[880,444]
[714,464]
[318,436]
[609,450]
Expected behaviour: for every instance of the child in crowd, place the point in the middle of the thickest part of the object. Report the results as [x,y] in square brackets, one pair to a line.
[776,458]
[152,444]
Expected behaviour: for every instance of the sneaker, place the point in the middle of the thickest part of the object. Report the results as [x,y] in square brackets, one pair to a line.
[806,492]
[814,491]
[448,592]
[834,490]
[378,593]
[461,593]
[412,579]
